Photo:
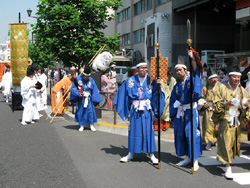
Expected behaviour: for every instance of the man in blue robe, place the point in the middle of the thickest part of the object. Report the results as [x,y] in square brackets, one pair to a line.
[137,92]
[180,110]
[84,93]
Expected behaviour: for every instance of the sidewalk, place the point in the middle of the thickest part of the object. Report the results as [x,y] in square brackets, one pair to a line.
[106,124]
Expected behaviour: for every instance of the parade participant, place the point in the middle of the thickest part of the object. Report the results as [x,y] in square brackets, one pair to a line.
[248,90]
[167,89]
[231,112]
[171,80]
[143,96]
[112,74]
[35,67]
[28,92]
[59,90]
[85,93]
[43,92]
[6,83]
[180,110]
[209,130]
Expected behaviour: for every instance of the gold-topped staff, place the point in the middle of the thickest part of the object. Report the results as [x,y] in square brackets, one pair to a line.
[189,42]
[157,45]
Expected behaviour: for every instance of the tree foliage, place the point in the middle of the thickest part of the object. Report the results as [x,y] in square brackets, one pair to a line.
[73,29]
[43,57]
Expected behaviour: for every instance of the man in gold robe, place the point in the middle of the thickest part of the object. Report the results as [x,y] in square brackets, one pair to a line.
[58,91]
[209,130]
[231,112]
[167,89]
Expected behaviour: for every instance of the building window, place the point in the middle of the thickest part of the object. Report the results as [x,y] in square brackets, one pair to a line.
[159,2]
[123,15]
[139,35]
[142,6]
[125,39]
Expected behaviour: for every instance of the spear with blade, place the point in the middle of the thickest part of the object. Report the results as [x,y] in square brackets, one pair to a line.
[189,42]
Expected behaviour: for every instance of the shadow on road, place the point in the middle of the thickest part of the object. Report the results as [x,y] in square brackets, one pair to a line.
[72,127]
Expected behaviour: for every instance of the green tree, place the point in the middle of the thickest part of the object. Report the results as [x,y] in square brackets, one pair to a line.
[73,29]
[43,57]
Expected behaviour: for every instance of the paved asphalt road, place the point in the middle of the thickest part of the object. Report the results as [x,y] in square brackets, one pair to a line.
[44,155]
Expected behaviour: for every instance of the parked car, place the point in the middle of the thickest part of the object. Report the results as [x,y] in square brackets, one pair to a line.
[121,74]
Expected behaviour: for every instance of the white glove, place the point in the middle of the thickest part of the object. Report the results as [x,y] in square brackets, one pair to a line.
[177,104]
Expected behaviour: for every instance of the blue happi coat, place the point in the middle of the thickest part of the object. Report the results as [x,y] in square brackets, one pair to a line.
[141,134]
[182,125]
[85,115]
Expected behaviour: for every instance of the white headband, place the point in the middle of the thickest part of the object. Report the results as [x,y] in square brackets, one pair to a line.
[212,76]
[86,74]
[235,73]
[140,64]
[113,65]
[180,65]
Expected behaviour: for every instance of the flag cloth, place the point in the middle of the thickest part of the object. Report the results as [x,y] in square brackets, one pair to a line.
[19,52]
[163,63]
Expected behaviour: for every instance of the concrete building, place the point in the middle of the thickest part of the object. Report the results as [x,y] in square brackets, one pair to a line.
[137,22]
[242,26]
[215,24]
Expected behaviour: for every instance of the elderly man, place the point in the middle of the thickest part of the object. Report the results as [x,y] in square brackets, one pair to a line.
[231,112]
[143,95]
[180,110]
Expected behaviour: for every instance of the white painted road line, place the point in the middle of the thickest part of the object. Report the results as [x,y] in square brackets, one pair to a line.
[211,160]
[240,178]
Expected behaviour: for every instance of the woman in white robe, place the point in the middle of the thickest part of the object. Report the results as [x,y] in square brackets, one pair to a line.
[28,92]
[43,92]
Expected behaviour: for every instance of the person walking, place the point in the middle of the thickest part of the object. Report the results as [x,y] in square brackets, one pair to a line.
[231,112]
[209,130]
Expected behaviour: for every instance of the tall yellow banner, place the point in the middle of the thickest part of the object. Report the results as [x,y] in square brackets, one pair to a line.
[19,52]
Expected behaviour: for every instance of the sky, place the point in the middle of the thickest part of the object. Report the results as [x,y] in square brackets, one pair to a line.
[9,13]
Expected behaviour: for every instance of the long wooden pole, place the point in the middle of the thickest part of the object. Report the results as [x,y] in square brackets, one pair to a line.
[58,102]
[95,56]
[58,110]
[189,42]
[158,96]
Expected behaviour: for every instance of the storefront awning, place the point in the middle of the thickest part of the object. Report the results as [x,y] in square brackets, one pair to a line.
[120,58]
[234,54]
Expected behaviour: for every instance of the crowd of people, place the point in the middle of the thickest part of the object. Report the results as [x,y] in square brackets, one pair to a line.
[220,100]
[224,105]
[34,94]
